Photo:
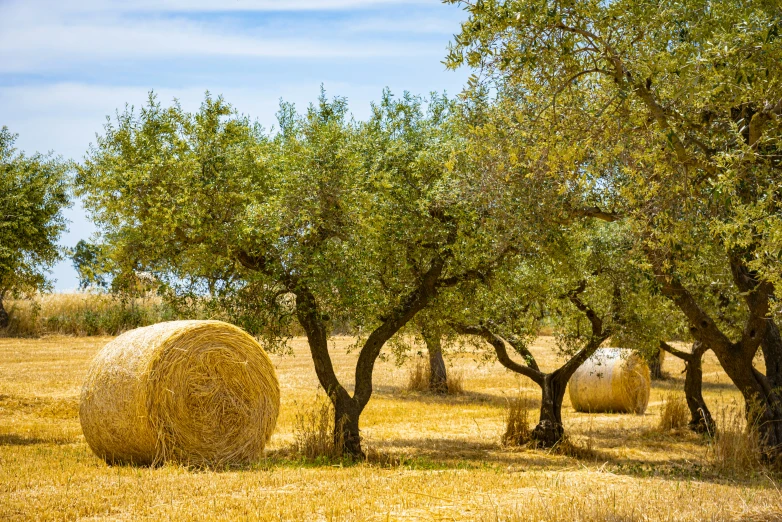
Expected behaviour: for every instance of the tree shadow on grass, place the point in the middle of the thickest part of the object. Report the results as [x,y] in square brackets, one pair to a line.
[398,393]
[676,383]
[12,439]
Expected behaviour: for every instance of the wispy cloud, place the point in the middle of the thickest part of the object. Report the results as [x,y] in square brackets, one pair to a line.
[50,43]
[184,6]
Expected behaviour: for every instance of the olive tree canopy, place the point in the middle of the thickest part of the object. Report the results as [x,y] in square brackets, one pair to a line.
[33,194]
[665,115]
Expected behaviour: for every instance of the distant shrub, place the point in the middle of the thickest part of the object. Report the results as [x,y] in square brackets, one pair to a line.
[83,314]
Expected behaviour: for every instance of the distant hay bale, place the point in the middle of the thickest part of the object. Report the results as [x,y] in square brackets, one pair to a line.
[612,380]
[195,392]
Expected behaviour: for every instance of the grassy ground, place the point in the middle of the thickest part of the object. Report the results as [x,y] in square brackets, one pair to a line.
[448,463]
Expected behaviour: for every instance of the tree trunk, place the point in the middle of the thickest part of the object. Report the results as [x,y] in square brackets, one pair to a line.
[346,432]
[4,320]
[701,420]
[772,353]
[438,377]
[763,403]
[550,430]
[656,365]
[764,406]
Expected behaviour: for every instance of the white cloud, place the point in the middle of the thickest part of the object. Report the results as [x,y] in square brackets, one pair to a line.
[222,6]
[47,46]
[47,37]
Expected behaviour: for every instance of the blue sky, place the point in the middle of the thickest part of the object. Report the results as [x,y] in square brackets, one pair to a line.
[66,65]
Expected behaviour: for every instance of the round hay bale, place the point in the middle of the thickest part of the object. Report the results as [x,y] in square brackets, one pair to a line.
[195,392]
[611,380]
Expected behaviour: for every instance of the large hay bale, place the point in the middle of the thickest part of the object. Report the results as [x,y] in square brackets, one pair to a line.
[611,380]
[195,392]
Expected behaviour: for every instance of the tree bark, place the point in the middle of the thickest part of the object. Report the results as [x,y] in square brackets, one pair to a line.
[762,400]
[656,365]
[438,376]
[4,319]
[701,420]
[771,344]
[346,433]
[550,429]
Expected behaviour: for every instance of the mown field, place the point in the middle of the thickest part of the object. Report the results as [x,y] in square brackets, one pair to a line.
[431,458]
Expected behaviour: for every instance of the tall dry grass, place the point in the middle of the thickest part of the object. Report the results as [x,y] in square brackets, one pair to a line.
[735,448]
[82,314]
[313,430]
[517,421]
[674,414]
[419,373]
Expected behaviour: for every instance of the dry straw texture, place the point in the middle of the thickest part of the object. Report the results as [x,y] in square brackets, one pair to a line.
[612,380]
[196,392]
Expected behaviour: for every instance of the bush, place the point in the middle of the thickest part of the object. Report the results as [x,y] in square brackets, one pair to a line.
[83,314]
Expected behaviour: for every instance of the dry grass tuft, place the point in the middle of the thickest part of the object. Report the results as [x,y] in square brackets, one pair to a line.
[313,430]
[674,414]
[570,447]
[418,378]
[455,382]
[517,422]
[735,448]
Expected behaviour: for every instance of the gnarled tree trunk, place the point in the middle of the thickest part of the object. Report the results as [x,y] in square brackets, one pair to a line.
[550,430]
[438,376]
[701,420]
[4,319]
[656,365]
[346,433]
[763,402]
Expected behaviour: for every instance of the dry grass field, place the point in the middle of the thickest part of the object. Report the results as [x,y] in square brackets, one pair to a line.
[433,458]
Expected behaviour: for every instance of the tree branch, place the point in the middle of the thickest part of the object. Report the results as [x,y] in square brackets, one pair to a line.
[499,347]
[676,353]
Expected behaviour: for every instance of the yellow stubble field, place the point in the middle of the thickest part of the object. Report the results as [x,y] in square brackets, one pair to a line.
[435,458]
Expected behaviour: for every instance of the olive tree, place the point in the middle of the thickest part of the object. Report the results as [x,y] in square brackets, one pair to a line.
[577,282]
[665,115]
[33,194]
[324,220]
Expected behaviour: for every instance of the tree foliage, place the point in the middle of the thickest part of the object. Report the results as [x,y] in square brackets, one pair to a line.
[34,190]
[325,220]
[665,115]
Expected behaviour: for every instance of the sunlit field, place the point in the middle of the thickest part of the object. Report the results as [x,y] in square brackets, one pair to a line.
[430,458]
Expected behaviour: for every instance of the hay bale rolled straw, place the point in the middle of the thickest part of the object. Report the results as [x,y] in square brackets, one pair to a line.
[611,380]
[202,393]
